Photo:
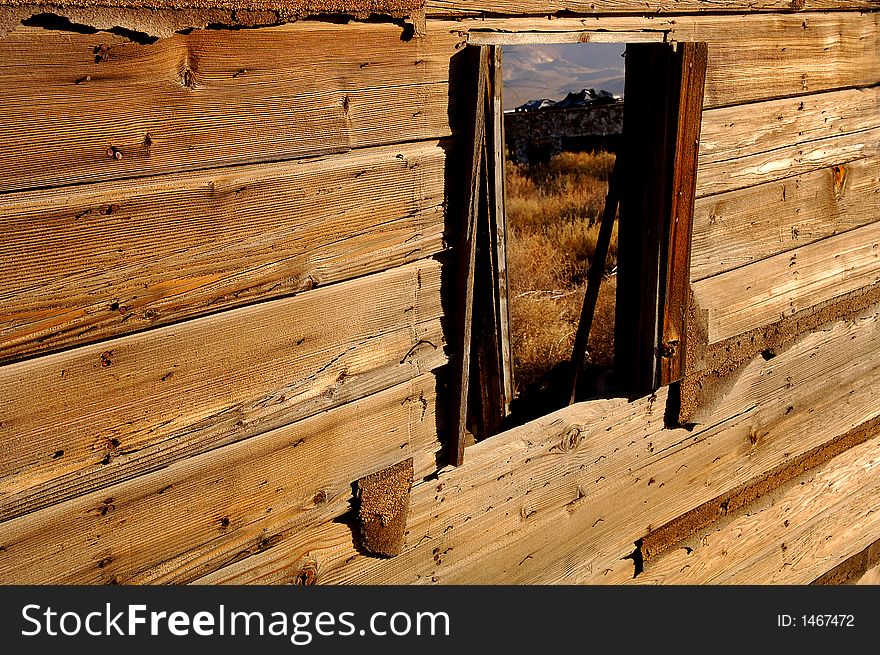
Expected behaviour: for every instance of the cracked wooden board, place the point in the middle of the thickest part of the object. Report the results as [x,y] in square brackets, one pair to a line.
[564,498]
[659,7]
[752,144]
[83,264]
[290,8]
[93,416]
[220,505]
[745,226]
[799,157]
[772,289]
[213,98]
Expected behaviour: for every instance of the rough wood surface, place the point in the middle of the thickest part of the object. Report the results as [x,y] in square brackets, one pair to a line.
[751,58]
[750,144]
[184,102]
[758,491]
[284,8]
[467,7]
[564,498]
[813,527]
[212,98]
[784,54]
[552,38]
[221,505]
[498,228]
[676,289]
[744,226]
[82,264]
[861,568]
[771,289]
[787,161]
[300,559]
[475,182]
[85,418]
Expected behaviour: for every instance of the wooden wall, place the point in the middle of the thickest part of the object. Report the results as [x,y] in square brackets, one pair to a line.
[225,277]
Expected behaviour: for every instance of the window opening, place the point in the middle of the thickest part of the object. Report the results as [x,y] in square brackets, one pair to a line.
[578,222]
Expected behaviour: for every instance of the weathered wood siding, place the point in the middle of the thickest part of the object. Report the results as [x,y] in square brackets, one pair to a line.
[225,291]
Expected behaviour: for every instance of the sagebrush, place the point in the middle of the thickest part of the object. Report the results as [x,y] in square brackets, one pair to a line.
[553,215]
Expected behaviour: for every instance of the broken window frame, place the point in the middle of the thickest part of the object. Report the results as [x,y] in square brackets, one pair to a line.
[665,83]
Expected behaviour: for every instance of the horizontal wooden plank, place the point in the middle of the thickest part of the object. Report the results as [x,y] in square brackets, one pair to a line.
[91,262]
[605,7]
[744,226]
[730,133]
[817,524]
[277,9]
[563,499]
[185,102]
[751,58]
[212,98]
[750,144]
[537,37]
[297,560]
[93,416]
[777,287]
[190,518]
[777,55]
[787,161]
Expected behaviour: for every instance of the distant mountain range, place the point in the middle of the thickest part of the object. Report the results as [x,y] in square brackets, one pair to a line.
[552,71]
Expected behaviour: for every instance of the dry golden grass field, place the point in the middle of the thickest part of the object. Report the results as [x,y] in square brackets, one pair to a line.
[553,214]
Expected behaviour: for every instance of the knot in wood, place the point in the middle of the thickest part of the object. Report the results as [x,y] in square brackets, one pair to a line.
[308,574]
[572,439]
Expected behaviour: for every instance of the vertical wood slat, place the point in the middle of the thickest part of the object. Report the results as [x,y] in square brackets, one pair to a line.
[664,91]
[498,229]
[691,62]
[467,254]
[646,171]
[488,409]
[491,378]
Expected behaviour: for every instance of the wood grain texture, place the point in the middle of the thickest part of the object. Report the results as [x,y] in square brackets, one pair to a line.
[221,505]
[751,144]
[730,133]
[498,229]
[553,38]
[212,98]
[691,67]
[467,7]
[776,55]
[751,57]
[564,498]
[813,527]
[771,289]
[788,161]
[475,182]
[744,226]
[298,560]
[93,416]
[92,262]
